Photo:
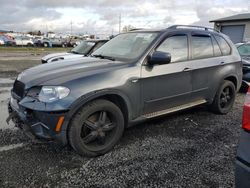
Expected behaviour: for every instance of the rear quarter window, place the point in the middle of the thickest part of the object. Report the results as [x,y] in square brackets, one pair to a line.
[217,51]
[224,46]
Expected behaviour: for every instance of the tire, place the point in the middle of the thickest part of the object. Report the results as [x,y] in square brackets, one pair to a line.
[224,98]
[96,128]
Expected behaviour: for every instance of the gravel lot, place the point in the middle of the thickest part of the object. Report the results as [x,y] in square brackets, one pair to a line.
[193,148]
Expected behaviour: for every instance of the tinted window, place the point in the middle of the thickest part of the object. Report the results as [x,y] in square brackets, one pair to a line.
[202,47]
[225,48]
[177,46]
[217,51]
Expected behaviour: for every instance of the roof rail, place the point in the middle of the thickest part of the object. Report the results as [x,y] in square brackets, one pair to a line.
[194,27]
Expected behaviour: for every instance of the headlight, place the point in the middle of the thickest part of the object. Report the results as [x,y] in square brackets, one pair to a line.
[53,93]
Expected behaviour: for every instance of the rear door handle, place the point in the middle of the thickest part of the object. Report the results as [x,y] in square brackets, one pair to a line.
[222,62]
[186,69]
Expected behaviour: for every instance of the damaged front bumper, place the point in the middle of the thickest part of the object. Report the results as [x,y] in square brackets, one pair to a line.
[41,126]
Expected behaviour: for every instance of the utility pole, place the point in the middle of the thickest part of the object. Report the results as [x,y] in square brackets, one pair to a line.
[71,28]
[120,23]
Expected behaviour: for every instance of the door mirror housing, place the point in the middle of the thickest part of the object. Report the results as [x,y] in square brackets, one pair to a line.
[159,58]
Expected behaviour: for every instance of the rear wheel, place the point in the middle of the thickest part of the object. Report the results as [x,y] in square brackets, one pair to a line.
[224,98]
[96,128]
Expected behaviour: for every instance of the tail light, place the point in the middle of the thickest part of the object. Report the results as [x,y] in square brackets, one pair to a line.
[246,112]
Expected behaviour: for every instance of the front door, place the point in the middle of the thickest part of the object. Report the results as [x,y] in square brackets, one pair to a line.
[169,85]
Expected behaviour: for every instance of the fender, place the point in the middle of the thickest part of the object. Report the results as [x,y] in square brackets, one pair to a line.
[97,94]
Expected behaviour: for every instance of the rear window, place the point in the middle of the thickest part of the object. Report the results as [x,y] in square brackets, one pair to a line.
[224,46]
[202,47]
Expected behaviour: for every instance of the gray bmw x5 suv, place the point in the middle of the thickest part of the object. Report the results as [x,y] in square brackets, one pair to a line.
[138,75]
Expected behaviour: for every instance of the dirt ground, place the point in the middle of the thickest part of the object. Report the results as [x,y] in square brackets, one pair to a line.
[193,148]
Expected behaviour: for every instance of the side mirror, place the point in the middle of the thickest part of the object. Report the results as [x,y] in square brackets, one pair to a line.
[159,58]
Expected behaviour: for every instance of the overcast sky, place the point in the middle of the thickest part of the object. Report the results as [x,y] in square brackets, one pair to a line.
[102,16]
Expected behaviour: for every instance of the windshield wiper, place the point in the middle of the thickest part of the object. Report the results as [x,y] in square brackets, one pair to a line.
[104,57]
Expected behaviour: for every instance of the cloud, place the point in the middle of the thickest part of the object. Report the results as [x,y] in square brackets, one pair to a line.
[102,16]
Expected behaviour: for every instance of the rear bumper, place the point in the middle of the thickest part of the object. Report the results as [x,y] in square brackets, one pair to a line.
[242,173]
[246,76]
[39,126]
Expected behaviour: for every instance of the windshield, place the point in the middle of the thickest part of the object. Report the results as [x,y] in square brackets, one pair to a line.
[244,50]
[83,48]
[127,46]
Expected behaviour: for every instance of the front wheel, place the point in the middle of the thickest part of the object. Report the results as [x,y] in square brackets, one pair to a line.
[224,98]
[96,128]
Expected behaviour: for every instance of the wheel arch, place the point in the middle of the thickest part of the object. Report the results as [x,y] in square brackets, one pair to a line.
[117,97]
[233,79]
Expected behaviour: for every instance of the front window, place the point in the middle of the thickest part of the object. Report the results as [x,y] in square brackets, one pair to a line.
[83,48]
[177,46]
[127,46]
[244,50]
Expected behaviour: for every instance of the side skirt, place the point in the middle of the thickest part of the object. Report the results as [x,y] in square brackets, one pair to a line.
[167,111]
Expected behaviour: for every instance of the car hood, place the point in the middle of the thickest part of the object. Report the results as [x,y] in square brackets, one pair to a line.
[59,70]
[56,55]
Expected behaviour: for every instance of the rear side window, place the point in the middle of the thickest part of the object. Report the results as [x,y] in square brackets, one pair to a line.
[177,46]
[224,46]
[202,47]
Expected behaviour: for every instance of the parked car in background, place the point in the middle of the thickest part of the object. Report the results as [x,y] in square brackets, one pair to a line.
[83,49]
[1,41]
[135,76]
[242,174]
[24,41]
[8,41]
[42,42]
[57,42]
[244,51]
[72,42]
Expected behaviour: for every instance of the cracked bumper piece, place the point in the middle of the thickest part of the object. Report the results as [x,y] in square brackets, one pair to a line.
[37,125]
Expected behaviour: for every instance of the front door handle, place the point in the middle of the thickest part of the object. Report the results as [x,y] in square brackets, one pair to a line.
[222,62]
[186,69]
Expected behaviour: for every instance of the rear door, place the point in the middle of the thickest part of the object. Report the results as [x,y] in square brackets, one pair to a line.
[204,52]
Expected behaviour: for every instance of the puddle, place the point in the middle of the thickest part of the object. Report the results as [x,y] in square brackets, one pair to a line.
[10,147]
[6,81]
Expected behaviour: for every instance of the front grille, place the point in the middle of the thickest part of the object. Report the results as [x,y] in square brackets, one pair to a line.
[18,88]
